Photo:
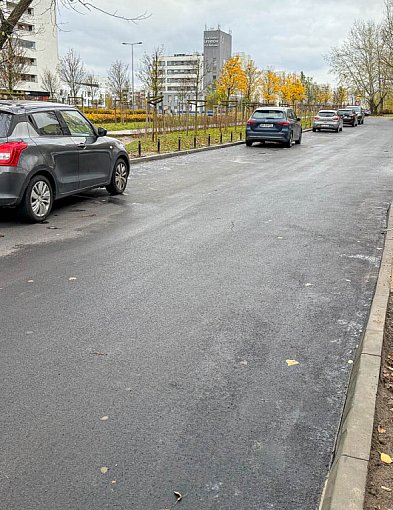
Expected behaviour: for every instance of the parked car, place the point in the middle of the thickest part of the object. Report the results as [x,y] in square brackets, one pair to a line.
[49,151]
[274,124]
[349,116]
[359,111]
[367,112]
[328,119]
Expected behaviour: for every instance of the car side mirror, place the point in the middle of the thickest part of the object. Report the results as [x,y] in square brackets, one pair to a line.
[101,131]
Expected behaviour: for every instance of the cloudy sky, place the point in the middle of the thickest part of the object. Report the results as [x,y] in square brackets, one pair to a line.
[291,35]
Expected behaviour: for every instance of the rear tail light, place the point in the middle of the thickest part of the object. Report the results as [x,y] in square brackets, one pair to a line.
[283,123]
[251,121]
[336,118]
[10,153]
[317,117]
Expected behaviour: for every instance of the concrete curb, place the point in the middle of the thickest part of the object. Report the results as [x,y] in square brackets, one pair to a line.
[346,482]
[154,157]
[182,153]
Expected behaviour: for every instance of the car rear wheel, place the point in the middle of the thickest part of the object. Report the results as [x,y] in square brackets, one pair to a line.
[248,143]
[119,179]
[299,141]
[288,144]
[314,130]
[37,201]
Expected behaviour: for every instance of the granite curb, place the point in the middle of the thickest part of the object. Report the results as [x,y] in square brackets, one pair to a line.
[345,486]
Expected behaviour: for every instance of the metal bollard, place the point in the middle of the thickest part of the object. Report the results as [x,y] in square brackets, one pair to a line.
[231,136]
[195,142]
[208,141]
[241,135]
[179,144]
[220,137]
[139,149]
[158,145]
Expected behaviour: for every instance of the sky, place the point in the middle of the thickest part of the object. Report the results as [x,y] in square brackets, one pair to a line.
[289,35]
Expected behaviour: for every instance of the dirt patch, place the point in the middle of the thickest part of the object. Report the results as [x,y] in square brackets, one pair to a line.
[379,490]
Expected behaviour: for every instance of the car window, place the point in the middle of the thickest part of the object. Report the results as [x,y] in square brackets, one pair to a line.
[327,114]
[47,123]
[77,124]
[5,121]
[268,114]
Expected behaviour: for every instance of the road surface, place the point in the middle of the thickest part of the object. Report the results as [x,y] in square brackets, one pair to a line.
[172,311]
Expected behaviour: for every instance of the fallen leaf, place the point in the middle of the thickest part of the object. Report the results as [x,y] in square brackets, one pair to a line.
[243,362]
[104,470]
[72,278]
[309,285]
[179,497]
[387,459]
[99,353]
[30,281]
[104,418]
[292,362]
[113,482]
[350,361]
[387,489]
[381,430]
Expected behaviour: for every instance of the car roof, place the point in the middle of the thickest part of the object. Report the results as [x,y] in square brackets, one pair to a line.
[31,106]
[279,108]
[326,110]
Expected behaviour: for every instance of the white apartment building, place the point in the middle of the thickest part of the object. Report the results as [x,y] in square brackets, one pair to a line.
[180,76]
[37,31]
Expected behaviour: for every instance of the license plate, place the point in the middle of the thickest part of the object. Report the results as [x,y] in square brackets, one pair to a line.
[266,125]
[325,125]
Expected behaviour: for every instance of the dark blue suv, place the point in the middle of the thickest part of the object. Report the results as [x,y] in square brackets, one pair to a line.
[49,151]
[274,124]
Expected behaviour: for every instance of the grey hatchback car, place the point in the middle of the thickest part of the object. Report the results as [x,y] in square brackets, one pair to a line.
[274,124]
[49,151]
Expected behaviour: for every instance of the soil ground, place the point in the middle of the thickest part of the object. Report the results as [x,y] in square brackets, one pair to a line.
[379,491]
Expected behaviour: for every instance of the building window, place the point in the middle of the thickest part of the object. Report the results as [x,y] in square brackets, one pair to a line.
[32,78]
[27,44]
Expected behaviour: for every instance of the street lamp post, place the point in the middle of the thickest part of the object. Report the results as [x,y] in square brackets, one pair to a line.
[132,44]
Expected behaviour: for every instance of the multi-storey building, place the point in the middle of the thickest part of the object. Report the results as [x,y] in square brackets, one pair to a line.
[37,34]
[217,50]
[182,74]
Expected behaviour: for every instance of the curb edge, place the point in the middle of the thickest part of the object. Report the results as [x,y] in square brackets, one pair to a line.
[345,485]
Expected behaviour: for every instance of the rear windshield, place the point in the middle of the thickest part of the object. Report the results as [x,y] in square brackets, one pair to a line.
[356,108]
[345,111]
[327,114]
[5,121]
[268,114]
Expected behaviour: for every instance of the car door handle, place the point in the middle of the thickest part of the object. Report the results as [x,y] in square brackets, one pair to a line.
[81,145]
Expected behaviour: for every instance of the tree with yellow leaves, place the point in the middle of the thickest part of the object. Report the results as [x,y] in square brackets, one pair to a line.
[253,81]
[340,96]
[323,94]
[232,79]
[270,86]
[291,89]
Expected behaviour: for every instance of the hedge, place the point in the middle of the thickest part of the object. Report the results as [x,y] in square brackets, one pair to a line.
[101,118]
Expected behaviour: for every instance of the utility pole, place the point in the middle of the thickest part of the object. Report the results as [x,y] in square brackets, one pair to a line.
[132,44]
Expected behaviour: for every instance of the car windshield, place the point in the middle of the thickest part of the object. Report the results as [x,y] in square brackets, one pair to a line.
[268,114]
[327,114]
[5,121]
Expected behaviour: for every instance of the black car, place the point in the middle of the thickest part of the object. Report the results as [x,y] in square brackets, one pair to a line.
[359,111]
[274,124]
[349,116]
[49,151]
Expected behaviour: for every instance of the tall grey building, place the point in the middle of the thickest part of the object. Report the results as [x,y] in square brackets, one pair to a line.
[217,49]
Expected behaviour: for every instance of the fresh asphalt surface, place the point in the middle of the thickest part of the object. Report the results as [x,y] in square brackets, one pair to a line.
[191,292]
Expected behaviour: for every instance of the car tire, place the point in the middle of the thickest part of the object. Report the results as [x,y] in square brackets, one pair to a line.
[37,200]
[314,130]
[288,144]
[248,143]
[299,141]
[119,178]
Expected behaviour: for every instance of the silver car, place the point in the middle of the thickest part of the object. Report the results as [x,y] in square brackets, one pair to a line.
[328,119]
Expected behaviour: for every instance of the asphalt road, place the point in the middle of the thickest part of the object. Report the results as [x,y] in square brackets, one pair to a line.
[186,298]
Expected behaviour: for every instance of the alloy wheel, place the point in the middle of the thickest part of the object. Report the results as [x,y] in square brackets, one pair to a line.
[121,175]
[40,199]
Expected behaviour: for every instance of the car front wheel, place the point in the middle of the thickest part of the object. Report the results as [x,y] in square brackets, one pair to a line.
[119,178]
[37,201]
[248,143]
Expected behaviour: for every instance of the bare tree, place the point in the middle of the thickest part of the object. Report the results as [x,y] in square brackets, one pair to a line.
[360,64]
[72,71]
[253,81]
[9,20]
[118,79]
[13,64]
[91,83]
[50,81]
[387,34]
[151,73]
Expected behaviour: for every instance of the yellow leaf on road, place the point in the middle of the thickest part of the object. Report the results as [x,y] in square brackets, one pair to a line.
[292,362]
[381,429]
[104,470]
[104,418]
[387,459]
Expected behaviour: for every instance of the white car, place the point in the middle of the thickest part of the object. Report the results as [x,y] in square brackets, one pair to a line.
[328,119]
